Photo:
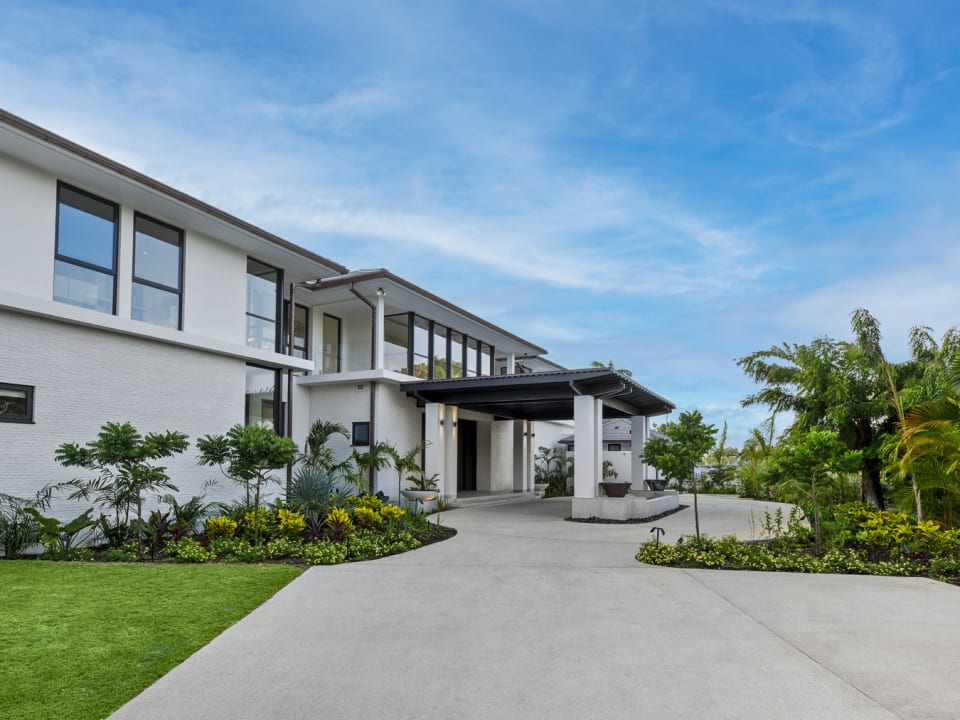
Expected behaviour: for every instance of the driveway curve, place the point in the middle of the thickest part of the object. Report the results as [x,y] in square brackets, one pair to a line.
[523,615]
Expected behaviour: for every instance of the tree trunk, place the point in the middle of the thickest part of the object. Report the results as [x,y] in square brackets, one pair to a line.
[870,489]
[916,497]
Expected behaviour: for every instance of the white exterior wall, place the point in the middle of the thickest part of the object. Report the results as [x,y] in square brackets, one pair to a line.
[356,333]
[214,289]
[547,433]
[398,423]
[28,208]
[346,404]
[84,378]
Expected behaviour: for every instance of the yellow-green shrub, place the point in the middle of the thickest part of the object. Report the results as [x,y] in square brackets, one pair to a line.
[366,517]
[392,513]
[221,527]
[290,523]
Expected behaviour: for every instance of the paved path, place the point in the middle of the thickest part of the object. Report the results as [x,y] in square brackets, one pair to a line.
[523,615]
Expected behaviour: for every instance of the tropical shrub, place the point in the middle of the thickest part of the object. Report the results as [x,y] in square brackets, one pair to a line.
[18,528]
[366,517]
[283,547]
[188,550]
[221,527]
[392,513]
[324,553]
[60,539]
[246,455]
[338,524]
[125,463]
[290,523]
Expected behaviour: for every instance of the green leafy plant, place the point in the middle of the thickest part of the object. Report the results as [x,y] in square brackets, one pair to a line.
[221,527]
[124,461]
[338,524]
[290,523]
[553,467]
[247,454]
[18,528]
[324,553]
[188,550]
[59,539]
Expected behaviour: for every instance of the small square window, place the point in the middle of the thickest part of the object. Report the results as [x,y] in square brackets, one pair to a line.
[361,433]
[16,403]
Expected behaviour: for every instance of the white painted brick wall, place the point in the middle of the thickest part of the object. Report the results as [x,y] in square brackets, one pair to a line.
[86,377]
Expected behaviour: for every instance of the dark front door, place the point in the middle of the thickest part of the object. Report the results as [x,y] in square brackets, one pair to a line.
[466,455]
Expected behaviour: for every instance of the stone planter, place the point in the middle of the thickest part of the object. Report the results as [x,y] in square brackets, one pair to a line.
[420,495]
[615,489]
[540,489]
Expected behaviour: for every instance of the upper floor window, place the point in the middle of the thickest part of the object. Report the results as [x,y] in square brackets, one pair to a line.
[85,264]
[157,273]
[263,305]
[441,357]
[332,336]
[473,356]
[301,329]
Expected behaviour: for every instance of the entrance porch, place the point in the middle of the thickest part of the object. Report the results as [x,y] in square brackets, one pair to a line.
[478,424]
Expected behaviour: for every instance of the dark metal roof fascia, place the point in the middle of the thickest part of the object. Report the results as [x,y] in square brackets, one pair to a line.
[384,274]
[106,163]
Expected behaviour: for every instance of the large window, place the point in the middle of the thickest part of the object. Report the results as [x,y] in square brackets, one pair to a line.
[85,264]
[396,341]
[157,273]
[486,359]
[301,329]
[421,348]
[441,359]
[263,396]
[472,357]
[263,305]
[16,403]
[456,354]
[331,344]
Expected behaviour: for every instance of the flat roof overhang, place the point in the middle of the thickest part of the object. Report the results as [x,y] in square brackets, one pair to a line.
[542,395]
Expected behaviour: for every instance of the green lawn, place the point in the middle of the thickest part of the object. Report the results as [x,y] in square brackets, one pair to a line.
[77,640]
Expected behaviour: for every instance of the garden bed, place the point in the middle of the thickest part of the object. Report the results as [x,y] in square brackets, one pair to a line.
[861,541]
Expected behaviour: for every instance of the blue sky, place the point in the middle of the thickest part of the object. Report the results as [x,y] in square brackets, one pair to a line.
[668,185]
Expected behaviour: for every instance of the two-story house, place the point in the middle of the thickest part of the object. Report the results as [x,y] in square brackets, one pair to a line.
[122,298]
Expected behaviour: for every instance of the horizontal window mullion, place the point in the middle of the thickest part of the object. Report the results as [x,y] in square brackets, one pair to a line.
[156,285]
[263,317]
[83,264]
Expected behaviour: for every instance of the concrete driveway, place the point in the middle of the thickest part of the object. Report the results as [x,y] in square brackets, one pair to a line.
[523,615]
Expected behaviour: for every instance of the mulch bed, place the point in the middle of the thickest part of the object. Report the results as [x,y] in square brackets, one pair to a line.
[632,521]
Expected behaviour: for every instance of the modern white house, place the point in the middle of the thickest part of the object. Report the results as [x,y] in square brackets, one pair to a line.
[122,298]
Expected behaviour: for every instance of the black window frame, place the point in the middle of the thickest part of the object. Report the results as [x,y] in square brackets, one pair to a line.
[30,391]
[339,340]
[363,425]
[277,397]
[278,316]
[151,283]
[614,447]
[57,255]
[286,330]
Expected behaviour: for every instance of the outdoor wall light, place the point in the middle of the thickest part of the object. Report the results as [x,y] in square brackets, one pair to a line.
[380,292]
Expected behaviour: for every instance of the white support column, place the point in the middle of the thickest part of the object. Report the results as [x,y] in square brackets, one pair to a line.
[511,363]
[531,451]
[638,440]
[378,328]
[587,436]
[449,486]
[433,462]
